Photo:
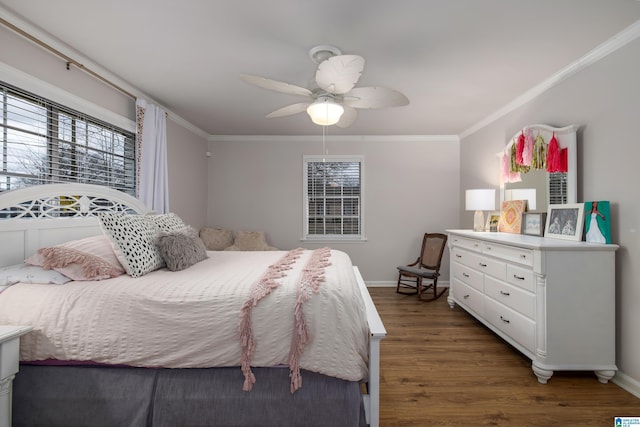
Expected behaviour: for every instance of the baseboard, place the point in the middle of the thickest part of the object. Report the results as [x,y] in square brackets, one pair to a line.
[626,382]
[386,284]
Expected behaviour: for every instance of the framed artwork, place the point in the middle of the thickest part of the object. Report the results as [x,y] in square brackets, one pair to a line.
[533,223]
[493,222]
[597,227]
[511,216]
[565,221]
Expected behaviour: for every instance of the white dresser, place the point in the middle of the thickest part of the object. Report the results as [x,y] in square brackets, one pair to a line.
[553,300]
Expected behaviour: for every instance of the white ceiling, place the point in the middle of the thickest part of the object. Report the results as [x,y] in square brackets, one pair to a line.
[458,61]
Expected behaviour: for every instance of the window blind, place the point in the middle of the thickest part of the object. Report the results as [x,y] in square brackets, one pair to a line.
[557,188]
[45,142]
[333,198]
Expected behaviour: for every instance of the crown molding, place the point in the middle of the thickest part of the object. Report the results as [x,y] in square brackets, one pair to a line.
[334,138]
[621,39]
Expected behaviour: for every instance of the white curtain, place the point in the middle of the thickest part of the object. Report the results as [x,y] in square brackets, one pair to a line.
[153,182]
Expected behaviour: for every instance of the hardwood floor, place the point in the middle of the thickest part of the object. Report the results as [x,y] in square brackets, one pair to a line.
[441,367]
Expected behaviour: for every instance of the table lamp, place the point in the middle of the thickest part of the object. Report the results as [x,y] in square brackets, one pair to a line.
[480,200]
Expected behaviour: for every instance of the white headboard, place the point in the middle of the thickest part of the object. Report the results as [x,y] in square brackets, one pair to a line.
[50,214]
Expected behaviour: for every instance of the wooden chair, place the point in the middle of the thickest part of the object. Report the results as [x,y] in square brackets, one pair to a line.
[411,277]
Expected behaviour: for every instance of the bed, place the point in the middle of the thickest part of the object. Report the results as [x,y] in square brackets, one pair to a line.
[273,338]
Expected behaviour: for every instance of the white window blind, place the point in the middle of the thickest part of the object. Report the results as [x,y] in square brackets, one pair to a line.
[333,195]
[557,188]
[44,142]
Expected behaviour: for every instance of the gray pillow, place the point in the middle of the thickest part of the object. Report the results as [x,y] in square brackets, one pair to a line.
[181,249]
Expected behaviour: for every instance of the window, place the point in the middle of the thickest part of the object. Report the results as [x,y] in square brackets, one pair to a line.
[333,198]
[44,142]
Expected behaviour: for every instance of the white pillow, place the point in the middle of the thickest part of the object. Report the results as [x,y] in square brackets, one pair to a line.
[134,241]
[25,273]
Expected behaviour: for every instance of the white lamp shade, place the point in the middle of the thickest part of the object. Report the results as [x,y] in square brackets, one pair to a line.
[480,200]
[325,112]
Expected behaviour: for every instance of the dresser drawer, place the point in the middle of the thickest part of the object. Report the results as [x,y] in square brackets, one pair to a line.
[468,297]
[516,298]
[509,253]
[471,244]
[493,267]
[521,277]
[468,275]
[465,257]
[515,325]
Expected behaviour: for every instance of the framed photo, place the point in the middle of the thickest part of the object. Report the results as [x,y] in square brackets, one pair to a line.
[597,225]
[565,221]
[533,223]
[494,219]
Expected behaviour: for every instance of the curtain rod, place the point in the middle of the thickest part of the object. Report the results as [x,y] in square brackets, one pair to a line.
[70,61]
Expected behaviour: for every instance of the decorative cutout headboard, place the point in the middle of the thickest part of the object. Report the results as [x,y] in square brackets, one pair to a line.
[50,214]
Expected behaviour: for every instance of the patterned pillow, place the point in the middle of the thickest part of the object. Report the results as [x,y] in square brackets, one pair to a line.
[168,222]
[181,249]
[216,239]
[91,258]
[133,238]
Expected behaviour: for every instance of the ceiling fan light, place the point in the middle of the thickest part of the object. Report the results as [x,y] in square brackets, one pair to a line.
[325,112]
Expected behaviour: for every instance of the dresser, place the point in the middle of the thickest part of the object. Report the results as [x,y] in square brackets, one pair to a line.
[9,349]
[552,299]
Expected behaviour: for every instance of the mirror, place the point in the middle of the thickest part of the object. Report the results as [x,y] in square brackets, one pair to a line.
[539,186]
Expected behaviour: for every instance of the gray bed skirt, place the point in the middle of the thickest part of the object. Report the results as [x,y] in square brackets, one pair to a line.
[109,396]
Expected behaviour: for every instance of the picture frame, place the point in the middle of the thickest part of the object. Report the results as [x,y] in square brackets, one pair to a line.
[511,216]
[597,222]
[565,221]
[533,223]
[494,219]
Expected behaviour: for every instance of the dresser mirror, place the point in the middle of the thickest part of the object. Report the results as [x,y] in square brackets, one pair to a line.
[542,188]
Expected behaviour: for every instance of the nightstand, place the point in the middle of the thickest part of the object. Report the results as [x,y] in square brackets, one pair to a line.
[9,355]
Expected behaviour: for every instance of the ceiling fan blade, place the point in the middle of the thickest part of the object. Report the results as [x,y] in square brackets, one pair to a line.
[339,74]
[275,85]
[289,110]
[374,97]
[348,117]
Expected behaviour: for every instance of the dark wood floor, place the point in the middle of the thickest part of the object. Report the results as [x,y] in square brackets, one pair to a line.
[441,367]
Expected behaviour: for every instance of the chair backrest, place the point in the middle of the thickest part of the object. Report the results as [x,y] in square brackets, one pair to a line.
[433,245]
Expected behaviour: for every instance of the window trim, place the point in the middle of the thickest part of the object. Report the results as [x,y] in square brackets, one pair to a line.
[310,158]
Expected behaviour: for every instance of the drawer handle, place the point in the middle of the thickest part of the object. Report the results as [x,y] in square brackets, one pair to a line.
[475,245]
[465,275]
[505,320]
[515,276]
[523,256]
[482,265]
[506,294]
[488,248]
[466,296]
[458,256]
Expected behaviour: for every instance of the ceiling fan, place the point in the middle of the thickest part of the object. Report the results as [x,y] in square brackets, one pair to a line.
[334,99]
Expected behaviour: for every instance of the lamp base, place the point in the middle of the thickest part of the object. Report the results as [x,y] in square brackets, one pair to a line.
[478,221]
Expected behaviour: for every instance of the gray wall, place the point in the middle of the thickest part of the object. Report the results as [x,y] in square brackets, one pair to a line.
[32,68]
[411,187]
[605,100]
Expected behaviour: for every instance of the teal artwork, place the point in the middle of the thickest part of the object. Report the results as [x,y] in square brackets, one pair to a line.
[597,225]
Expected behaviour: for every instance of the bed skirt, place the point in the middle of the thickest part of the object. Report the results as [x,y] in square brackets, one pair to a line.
[111,396]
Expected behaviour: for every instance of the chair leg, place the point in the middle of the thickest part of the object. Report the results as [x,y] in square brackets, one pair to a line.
[401,283]
[436,294]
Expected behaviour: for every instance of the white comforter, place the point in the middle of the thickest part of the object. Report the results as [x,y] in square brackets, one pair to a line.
[190,318]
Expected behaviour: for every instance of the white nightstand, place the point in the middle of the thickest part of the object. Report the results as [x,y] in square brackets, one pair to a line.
[9,355]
